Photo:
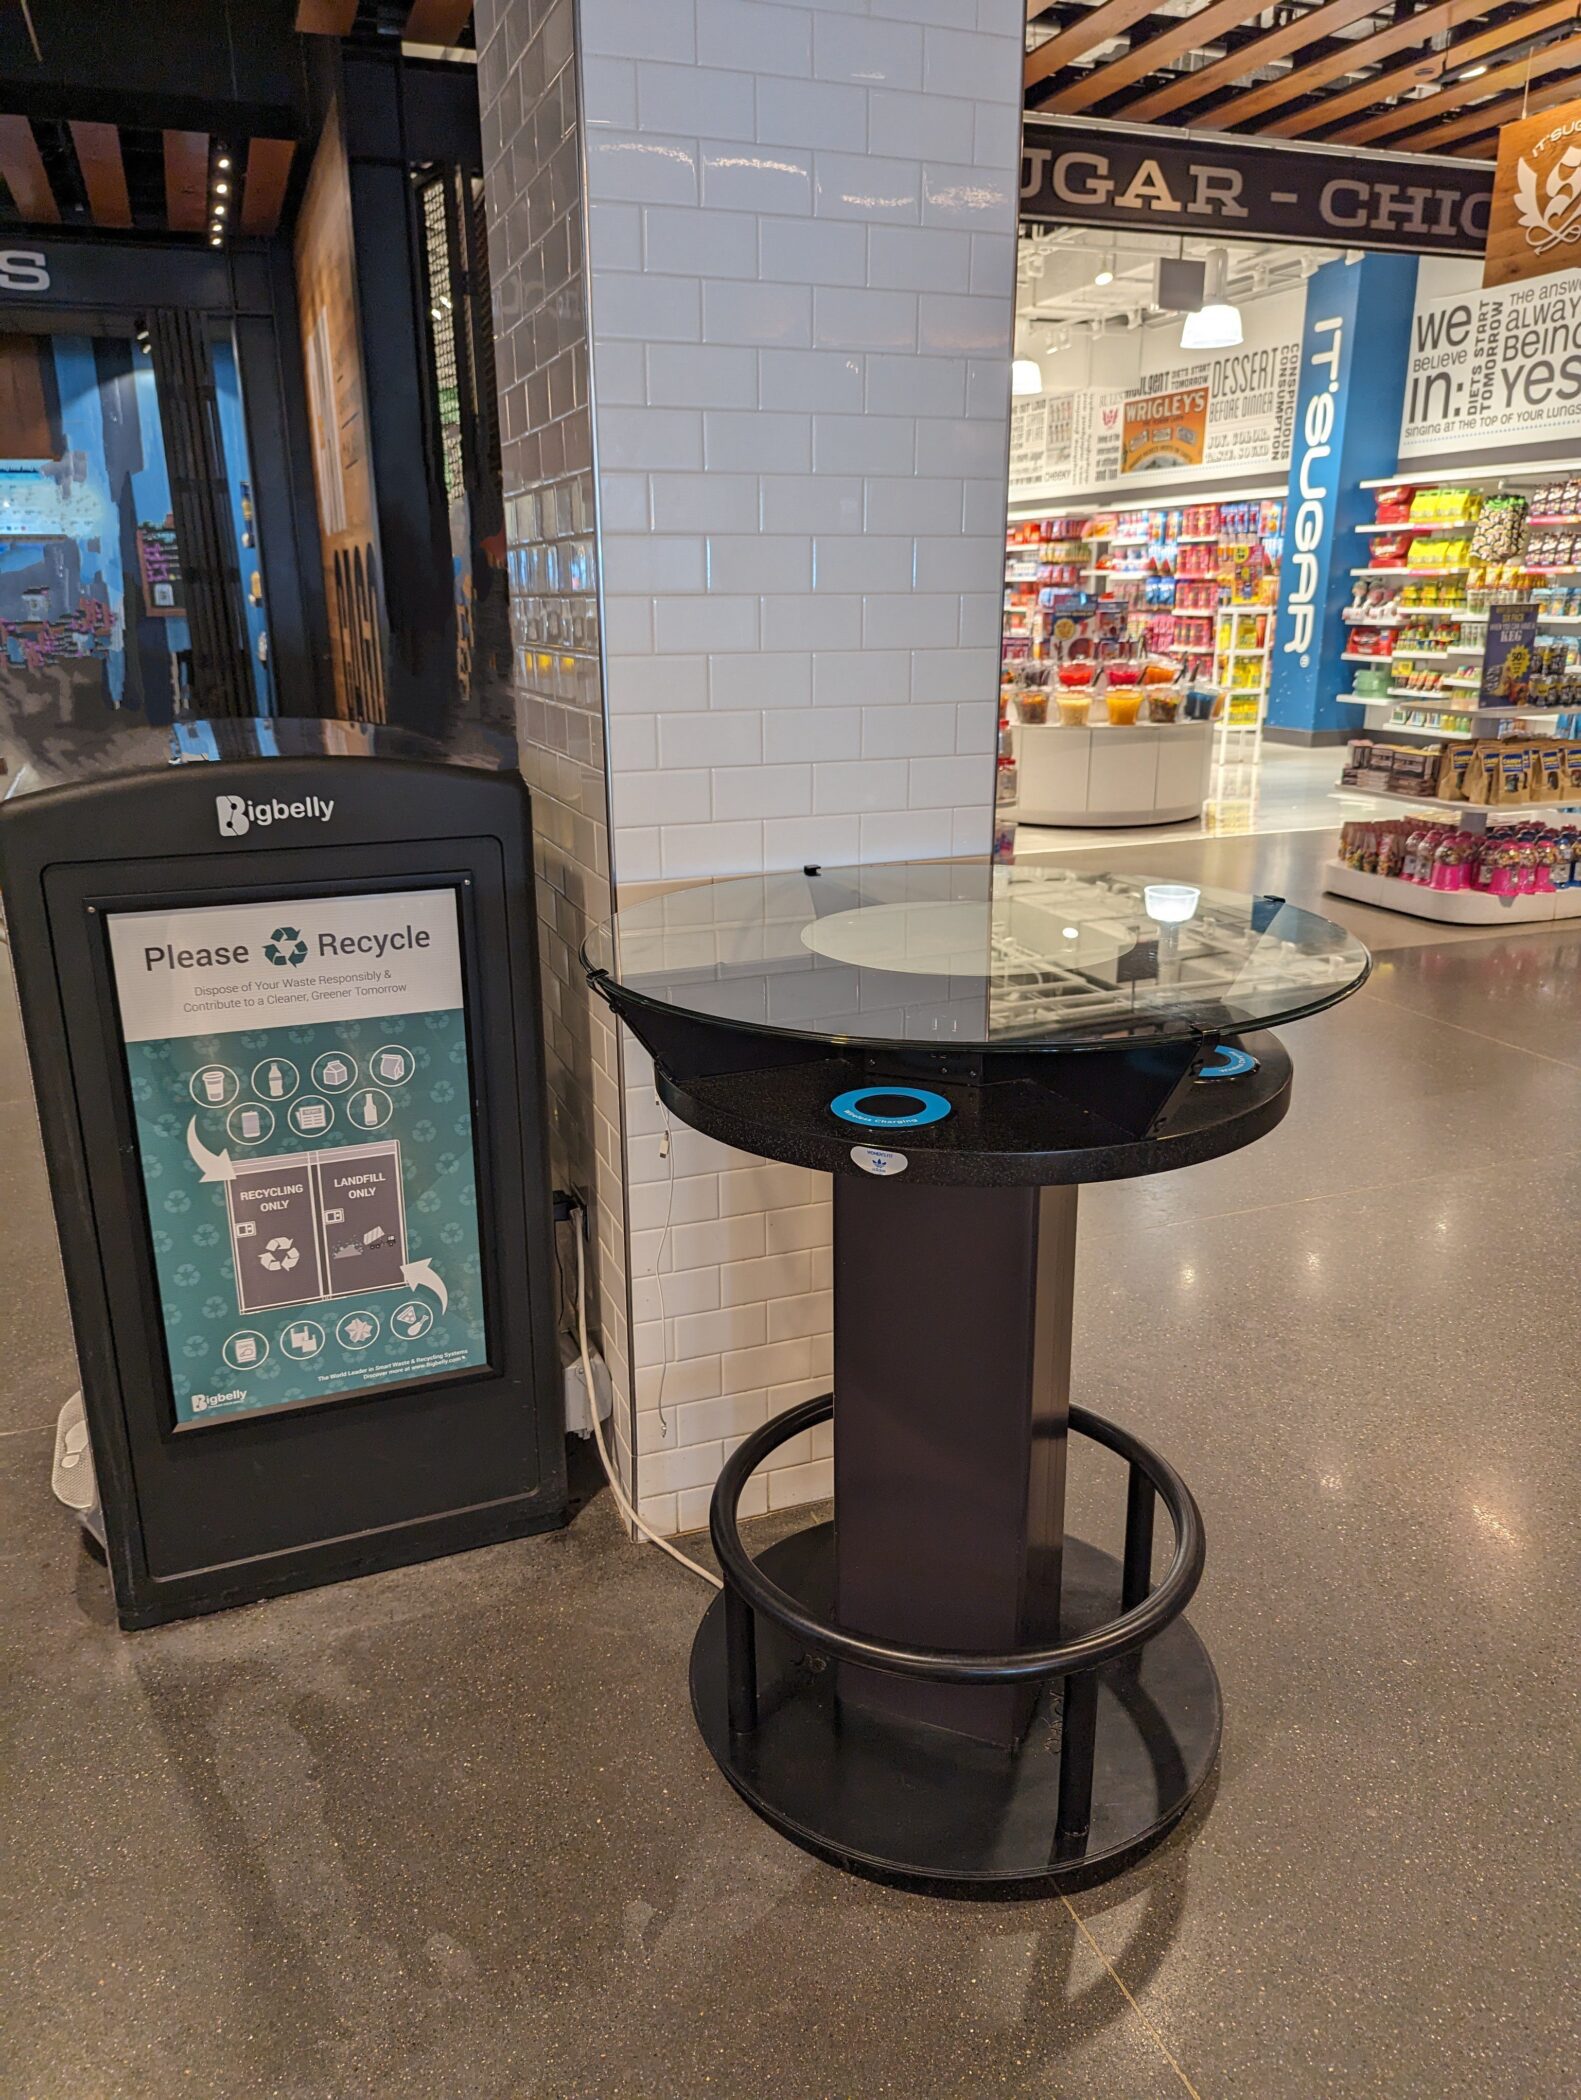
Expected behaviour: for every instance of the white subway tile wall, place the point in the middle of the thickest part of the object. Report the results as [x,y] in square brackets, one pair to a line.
[528,101]
[823,272]
[800,235]
[810,227]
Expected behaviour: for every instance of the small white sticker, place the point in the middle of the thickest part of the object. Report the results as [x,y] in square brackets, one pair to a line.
[874,1161]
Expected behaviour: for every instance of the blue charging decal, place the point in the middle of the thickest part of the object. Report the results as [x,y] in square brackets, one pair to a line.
[931,1108]
[1233,1064]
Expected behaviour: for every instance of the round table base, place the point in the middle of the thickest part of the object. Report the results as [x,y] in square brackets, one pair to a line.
[904,1800]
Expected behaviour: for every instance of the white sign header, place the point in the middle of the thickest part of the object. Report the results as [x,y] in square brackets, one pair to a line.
[308,959]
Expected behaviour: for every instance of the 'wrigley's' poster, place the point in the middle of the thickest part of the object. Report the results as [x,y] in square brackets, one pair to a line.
[1165,430]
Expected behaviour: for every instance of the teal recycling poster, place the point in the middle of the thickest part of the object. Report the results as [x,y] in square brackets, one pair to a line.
[302,1098]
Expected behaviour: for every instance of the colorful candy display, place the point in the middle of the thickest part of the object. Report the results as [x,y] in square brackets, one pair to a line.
[1508,772]
[1520,861]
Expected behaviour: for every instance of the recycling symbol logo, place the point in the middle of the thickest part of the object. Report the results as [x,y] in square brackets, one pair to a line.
[286,948]
[279,1256]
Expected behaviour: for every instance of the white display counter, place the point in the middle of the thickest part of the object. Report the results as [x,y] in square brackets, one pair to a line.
[1450,907]
[1107,775]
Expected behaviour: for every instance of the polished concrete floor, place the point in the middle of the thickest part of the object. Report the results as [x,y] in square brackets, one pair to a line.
[449,1834]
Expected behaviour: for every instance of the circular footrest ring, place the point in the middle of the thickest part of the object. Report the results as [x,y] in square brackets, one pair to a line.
[1122,1636]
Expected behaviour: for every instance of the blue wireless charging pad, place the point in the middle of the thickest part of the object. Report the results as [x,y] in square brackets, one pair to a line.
[1232,1064]
[885,1107]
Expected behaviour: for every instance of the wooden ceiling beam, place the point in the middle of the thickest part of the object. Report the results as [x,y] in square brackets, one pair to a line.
[1350,58]
[1488,115]
[1411,115]
[1426,66]
[98,148]
[1278,43]
[26,178]
[1111,18]
[325,17]
[1096,85]
[437,22]
[264,184]
[186,181]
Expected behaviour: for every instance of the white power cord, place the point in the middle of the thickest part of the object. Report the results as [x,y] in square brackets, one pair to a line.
[666,1153]
[622,1499]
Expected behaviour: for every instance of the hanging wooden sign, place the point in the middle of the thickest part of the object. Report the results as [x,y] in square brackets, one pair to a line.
[1534,227]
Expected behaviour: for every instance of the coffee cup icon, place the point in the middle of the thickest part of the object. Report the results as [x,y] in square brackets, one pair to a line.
[214,1084]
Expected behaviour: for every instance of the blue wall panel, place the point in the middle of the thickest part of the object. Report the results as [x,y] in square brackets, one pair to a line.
[1355,346]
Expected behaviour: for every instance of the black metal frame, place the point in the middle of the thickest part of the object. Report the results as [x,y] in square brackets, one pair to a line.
[1145,1610]
[113,288]
[283,1500]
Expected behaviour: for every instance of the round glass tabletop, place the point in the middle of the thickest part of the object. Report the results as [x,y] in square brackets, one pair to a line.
[974,954]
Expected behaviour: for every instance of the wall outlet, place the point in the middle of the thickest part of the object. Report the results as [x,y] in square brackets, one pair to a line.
[578,1421]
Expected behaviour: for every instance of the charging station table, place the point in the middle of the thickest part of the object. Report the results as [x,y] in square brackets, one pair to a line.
[941,1683]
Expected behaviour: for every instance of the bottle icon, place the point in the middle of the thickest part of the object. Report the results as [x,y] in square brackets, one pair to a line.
[274,1082]
[370,1111]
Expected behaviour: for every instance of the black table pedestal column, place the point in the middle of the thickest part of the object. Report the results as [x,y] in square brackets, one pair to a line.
[953,1311]
[952,1375]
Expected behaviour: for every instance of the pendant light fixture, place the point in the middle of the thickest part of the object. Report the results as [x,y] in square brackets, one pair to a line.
[1216,324]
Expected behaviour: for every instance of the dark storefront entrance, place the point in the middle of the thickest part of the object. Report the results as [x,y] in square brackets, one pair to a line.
[154,524]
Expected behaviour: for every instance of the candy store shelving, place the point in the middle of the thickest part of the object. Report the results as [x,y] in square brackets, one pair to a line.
[1133,571]
[1194,585]
[1248,547]
[1045,558]
[1492,772]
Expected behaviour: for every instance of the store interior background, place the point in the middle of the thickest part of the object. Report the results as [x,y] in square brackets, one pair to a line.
[1088,318]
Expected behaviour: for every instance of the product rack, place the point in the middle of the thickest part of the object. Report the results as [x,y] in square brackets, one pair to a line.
[1029,574]
[1448,907]
[1461,907]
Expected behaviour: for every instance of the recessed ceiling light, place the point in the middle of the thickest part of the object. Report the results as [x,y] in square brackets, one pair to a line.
[1473,72]
[224,161]
[219,211]
[214,240]
[222,189]
[1106,271]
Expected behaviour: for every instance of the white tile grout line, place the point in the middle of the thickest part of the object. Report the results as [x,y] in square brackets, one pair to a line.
[1119,1983]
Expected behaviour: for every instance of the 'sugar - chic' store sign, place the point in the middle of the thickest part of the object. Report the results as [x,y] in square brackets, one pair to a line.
[1072,175]
[1494,367]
